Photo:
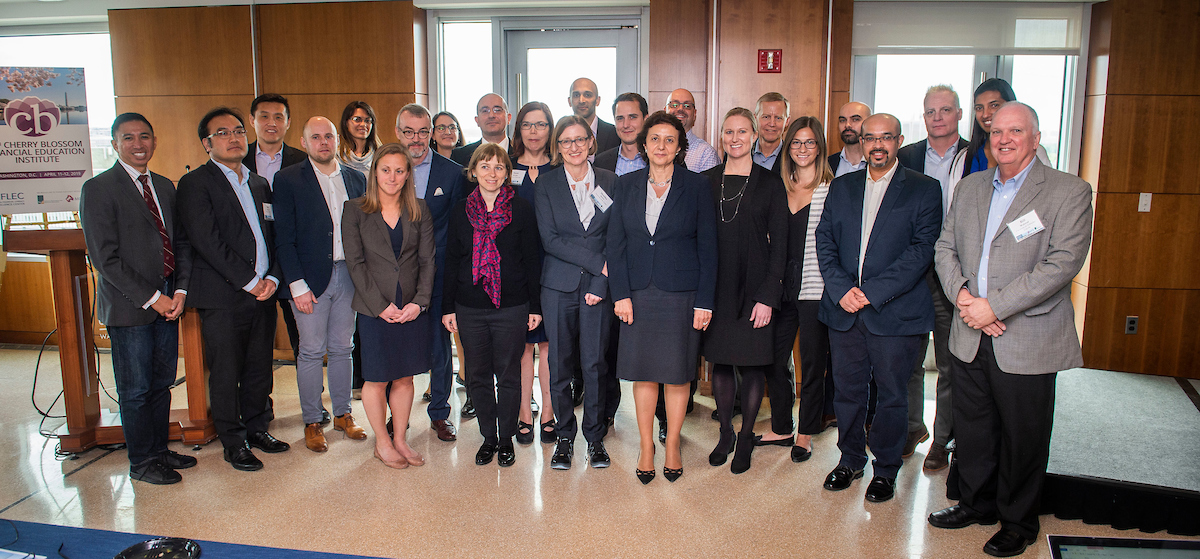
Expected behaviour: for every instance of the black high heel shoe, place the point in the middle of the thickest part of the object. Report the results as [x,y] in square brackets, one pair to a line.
[741,456]
[645,476]
[721,453]
[672,474]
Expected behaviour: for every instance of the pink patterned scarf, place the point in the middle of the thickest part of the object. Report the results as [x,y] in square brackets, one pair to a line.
[485,257]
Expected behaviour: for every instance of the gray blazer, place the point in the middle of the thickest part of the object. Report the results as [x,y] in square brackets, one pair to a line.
[124,245]
[572,253]
[373,265]
[1029,283]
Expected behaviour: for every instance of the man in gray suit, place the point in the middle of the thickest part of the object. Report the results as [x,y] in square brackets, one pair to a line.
[143,260]
[1011,244]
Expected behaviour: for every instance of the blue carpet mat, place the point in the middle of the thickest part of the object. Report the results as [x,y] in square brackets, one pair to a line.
[85,543]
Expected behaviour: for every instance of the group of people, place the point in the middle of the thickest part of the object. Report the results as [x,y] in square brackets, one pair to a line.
[623,251]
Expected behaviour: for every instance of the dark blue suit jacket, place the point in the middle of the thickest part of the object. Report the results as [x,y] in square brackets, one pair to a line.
[899,253]
[447,186]
[303,227]
[682,253]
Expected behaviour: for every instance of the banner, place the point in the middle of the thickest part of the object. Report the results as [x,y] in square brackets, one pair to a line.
[45,150]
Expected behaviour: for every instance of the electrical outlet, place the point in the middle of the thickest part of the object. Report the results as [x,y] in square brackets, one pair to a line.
[1131,324]
[1144,202]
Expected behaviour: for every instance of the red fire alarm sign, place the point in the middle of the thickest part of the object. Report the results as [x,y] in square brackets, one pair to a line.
[770,61]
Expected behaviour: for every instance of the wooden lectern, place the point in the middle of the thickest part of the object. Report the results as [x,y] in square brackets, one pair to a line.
[86,426]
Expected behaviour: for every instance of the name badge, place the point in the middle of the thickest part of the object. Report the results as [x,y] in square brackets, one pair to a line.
[601,199]
[268,212]
[1025,226]
[518,177]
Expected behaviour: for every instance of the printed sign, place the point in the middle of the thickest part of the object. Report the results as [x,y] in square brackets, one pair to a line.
[45,151]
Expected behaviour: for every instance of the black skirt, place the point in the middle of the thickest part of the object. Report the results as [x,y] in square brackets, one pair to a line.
[392,351]
[661,345]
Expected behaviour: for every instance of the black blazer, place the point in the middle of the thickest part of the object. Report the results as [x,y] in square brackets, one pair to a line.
[447,186]
[303,226]
[835,159]
[223,244]
[124,245]
[572,254]
[899,253]
[291,156]
[373,265]
[462,154]
[519,266]
[764,237]
[682,253]
[606,136]
[607,159]
[912,156]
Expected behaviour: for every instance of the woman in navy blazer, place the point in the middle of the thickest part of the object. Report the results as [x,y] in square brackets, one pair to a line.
[662,255]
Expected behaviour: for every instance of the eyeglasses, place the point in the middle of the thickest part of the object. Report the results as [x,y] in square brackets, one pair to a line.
[410,133]
[492,110]
[223,134]
[539,126]
[873,139]
[446,127]
[361,119]
[581,142]
[677,104]
[810,144]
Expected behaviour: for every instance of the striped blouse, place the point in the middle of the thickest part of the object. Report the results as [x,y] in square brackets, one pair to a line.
[811,284]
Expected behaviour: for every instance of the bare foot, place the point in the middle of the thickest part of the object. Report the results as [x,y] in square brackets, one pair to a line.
[773,436]
[646,459]
[804,441]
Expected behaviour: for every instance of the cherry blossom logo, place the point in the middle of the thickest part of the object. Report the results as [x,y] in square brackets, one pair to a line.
[31,116]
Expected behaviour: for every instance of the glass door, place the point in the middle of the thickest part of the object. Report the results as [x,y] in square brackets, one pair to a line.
[542,63]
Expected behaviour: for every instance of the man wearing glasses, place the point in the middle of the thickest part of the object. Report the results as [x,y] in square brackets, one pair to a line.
[875,244]
[440,182]
[700,155]
[227,214]
[492,116]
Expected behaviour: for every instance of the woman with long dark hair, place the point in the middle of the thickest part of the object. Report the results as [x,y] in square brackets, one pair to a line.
[356,134]
[989,97]
[447,134]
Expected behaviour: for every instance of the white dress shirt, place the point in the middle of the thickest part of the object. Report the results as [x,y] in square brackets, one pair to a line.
[872,198]
[333,187]
[581,192]
[654,206]
[241,188]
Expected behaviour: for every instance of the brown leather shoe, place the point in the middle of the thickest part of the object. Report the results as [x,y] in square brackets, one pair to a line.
[914,438]
[937,458]
[345,423]
[314,438]
[445,430]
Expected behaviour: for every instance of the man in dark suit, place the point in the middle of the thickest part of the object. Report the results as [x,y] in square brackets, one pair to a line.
[143,261]
[773,112]
[875,244]
[1014,239]
[629,111]
[492,116]
[226,212]
[934,156]
[851,158]
[308,201]
[440,182]
[583,100]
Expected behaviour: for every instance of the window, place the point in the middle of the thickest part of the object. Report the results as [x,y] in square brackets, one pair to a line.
[901,82]
[466,49]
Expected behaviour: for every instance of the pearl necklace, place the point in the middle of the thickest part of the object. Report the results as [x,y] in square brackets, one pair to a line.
[739,197]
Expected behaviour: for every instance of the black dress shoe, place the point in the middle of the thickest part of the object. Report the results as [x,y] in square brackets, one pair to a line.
[958,517]
[506,455]
[800,454]
[881,489]
[1006,543]
[662,432]
[577,393]
[267,443]
[741,456]
[758,441]
[325,417]
[563,451]
[427,396]
[176,461]
[598,456]
[242,459]
[485,454]
[841,477]
[154,471]
[468,409]
[720,454]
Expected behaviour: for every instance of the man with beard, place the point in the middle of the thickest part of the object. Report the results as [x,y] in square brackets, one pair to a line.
[851,158]
[773,112]
[874,244]
[440,182]
[308,241]
[583,100]
[700,155]
[492,116]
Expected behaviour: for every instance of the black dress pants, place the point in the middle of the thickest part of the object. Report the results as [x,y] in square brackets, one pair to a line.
[781,383]
[238,347]
[814,366]
[493,341]
[1002,425]
[578,335]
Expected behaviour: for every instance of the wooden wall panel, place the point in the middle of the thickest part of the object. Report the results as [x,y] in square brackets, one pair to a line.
[840,67]
[1155,249]
[182,51]
[175,120]
[1093,139]
[305,48]
[1139,131]
[1155,47]
[1167,342]
[679,38]
[796,26]
[26,303]
[305,106]
[1099,45]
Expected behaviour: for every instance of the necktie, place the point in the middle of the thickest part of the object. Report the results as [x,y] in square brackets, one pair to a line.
[168,254]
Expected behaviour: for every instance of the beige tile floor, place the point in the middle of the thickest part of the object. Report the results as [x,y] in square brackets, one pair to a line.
[346,501]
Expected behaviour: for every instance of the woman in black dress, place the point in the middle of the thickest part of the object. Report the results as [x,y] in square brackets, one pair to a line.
[389,244]
[751,251]
[662,263]
[491,295]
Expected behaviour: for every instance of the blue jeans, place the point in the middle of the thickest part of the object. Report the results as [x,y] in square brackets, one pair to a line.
[328,329]
[145,359]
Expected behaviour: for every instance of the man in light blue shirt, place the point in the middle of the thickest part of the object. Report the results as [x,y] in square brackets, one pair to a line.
[700,155]
[629,111]
[851,158]
[773,112]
